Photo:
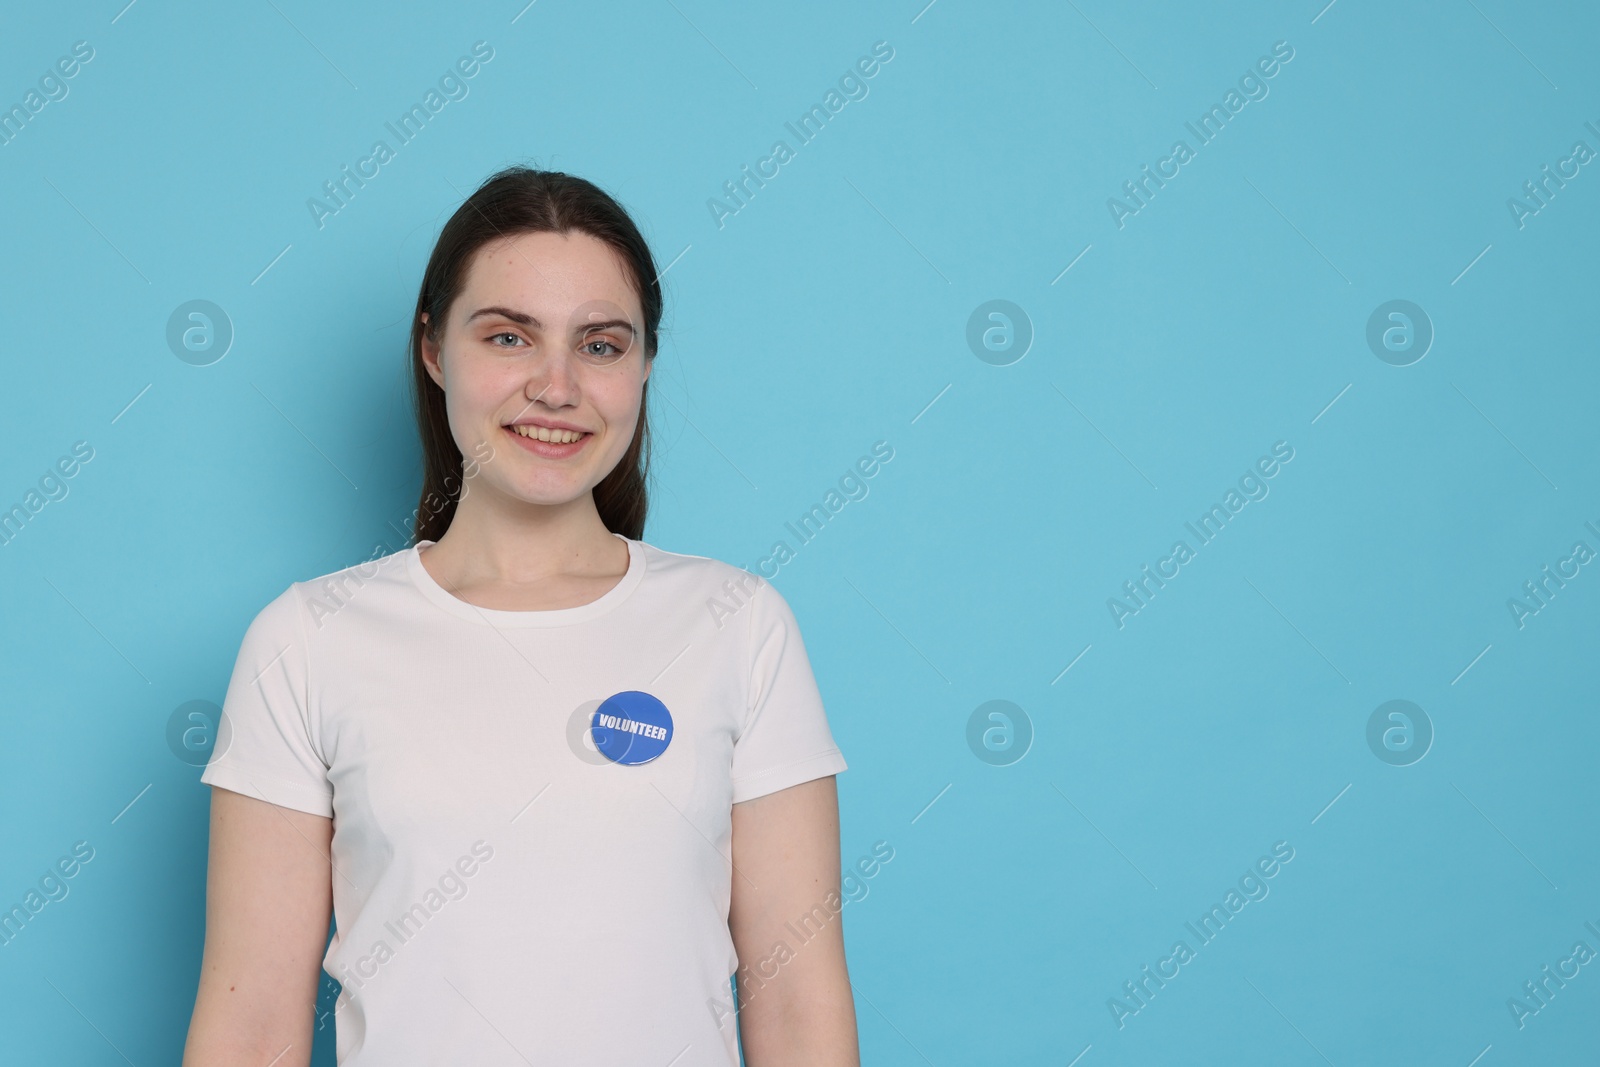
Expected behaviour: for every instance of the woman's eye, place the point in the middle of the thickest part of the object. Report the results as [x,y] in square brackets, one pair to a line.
[513,336]
[589,347]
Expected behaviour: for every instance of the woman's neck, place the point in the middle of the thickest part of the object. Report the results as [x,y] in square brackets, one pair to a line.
[527,557]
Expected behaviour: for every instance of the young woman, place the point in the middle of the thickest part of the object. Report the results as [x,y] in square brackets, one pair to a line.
[556,785]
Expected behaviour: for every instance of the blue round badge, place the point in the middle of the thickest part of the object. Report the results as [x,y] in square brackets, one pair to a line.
[631,728]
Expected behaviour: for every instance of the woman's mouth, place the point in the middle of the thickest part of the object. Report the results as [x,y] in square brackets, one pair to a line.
[549,443]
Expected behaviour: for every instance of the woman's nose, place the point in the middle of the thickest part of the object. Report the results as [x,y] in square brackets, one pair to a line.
[553,378]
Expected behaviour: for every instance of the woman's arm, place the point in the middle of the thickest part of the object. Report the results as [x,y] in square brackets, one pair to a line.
[795,1005]
[268,899]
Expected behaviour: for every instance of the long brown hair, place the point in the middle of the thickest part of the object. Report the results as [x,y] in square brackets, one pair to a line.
[513,201]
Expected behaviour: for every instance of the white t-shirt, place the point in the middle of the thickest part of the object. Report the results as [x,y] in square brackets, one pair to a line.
[504,892]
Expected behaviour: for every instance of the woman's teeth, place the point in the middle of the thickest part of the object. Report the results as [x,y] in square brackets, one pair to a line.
[540,433]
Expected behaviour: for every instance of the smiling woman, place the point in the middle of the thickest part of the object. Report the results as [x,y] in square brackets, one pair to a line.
[529,672]
[543,358]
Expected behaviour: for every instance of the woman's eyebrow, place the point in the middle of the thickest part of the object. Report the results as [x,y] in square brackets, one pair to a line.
[608,324]
[506,313]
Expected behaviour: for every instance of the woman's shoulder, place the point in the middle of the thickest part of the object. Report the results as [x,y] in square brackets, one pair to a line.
[723,589]
[305,604]
[685,566]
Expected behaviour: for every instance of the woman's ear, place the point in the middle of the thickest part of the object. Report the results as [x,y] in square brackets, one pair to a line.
[430,354]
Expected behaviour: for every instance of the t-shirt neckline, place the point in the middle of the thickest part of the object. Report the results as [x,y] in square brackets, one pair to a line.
[428,587]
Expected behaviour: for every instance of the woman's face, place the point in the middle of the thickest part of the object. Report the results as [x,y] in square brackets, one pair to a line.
[546,339]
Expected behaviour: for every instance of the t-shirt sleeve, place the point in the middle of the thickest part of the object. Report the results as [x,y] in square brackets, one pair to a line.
[785,740]
[266,746]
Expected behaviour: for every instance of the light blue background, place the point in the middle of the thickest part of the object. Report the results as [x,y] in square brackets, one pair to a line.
[831,312]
